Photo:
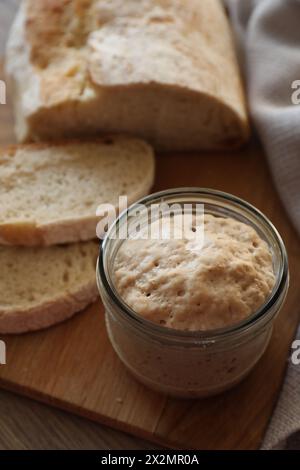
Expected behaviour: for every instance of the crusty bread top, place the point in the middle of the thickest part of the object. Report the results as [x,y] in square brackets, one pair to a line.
[50,192]
[77,47]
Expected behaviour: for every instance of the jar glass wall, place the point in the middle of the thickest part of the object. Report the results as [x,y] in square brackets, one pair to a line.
[191,363]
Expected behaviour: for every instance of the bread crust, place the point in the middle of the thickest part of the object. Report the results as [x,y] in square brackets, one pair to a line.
[47,314]
[70,80]
[40,287]
[71,229]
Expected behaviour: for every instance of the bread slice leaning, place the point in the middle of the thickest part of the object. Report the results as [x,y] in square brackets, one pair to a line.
[40,287]
[50,192]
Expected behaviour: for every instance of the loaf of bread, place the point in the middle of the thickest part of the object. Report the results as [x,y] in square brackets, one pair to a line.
[165,71]
[50,193]
[40,287]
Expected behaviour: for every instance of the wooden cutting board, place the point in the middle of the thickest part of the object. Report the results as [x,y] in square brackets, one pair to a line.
[72,365]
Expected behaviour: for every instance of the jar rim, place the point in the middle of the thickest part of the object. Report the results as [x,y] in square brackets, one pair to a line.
[276,296]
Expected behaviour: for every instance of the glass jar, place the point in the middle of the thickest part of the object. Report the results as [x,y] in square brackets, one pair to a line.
[191,363]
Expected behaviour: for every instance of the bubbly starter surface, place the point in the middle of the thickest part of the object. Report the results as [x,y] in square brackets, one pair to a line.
[186,285]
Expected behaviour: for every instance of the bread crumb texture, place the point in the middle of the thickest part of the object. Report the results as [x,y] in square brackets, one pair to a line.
[30,275]
[174,284]
[44,184]
[42,286]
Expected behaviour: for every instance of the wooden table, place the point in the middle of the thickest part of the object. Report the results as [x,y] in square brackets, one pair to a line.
[26,424]
[29,425]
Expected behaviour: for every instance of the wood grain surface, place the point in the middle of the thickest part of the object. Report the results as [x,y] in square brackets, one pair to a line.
[73,366]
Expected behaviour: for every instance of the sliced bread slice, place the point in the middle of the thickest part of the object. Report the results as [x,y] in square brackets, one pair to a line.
[40,287]
[50,192]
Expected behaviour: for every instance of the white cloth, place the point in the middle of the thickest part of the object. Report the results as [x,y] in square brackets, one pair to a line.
[284,429]
[268,39]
